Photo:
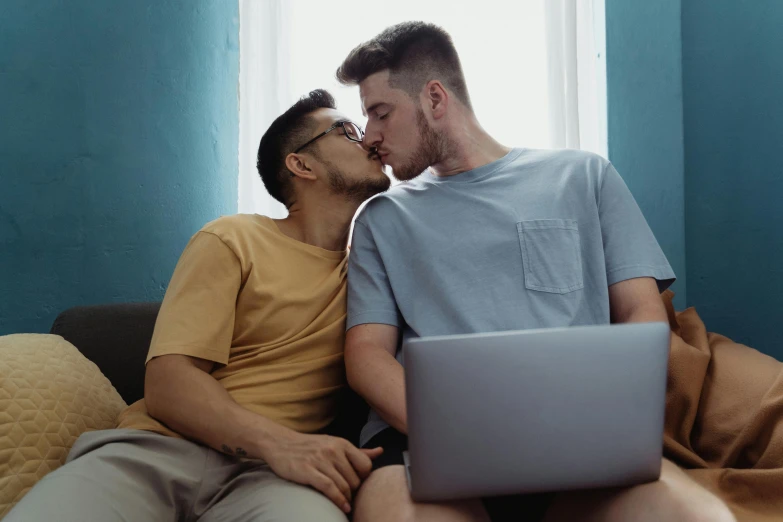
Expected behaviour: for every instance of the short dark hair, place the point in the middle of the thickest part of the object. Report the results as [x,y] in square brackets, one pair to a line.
[414,53]
[291,129]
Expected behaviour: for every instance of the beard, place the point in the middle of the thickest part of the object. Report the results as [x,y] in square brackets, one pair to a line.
[429,152]
[357,191]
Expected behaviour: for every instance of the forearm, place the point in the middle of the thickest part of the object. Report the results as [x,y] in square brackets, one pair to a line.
[378,377]
[192,403]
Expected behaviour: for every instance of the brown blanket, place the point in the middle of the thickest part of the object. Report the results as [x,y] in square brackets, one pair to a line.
[724,417]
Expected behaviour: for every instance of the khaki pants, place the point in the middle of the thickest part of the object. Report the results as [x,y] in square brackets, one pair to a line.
[133,475]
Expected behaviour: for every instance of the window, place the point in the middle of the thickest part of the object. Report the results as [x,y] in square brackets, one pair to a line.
[507,51]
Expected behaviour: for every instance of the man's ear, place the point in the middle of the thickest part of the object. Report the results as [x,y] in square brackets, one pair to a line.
[436,98]
[298,165]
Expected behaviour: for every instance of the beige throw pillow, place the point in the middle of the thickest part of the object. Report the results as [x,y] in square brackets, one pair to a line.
[49,395]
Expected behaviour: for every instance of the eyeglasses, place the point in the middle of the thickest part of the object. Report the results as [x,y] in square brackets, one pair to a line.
[352,131]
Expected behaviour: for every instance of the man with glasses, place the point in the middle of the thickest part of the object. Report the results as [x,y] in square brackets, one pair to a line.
[482,237]
[246,361]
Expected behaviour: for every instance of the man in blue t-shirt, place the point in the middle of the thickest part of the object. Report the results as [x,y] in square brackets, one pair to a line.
[487,238]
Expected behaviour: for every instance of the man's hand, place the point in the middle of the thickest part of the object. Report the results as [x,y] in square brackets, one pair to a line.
[332,465]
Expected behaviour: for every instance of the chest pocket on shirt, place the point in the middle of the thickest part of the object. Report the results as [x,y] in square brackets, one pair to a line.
[551,255]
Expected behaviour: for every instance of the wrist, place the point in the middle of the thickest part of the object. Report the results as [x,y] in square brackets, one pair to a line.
[271,438]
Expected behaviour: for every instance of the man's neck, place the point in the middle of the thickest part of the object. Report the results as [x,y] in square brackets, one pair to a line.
[470,147]
[325,224]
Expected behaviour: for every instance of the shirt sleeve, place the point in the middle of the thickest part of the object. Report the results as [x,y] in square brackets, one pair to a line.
[370,295]
[197,314]
[630,248]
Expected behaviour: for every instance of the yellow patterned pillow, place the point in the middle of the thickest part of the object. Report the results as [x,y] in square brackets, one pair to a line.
[49,395]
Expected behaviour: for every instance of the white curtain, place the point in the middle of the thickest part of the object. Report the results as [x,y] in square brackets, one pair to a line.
[576,43]
[264,93]
[534,68]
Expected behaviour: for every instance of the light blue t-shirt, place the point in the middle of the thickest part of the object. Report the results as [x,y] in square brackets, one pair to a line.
[532,240]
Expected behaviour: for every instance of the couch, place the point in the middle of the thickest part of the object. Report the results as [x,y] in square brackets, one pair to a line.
[724,400]
[116,338]
[55,387]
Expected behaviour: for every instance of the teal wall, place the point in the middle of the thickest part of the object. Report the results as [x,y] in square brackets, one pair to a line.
[695,123]
[733,86]
[118,140]
[644,117]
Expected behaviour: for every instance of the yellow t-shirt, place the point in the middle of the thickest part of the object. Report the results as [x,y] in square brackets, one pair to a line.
[269,310]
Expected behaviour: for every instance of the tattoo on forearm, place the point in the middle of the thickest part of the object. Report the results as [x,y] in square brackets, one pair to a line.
[239,451]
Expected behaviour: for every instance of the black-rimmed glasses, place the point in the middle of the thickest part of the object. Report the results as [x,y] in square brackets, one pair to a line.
[352,131]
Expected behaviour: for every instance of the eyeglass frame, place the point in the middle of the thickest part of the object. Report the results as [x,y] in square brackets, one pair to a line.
[341,124]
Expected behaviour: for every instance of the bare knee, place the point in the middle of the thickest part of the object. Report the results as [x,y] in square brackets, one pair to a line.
[689,500]
[384,496]
[707,508]
[674,497]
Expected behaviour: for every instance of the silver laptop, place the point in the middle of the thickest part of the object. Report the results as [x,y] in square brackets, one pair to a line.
[536,410]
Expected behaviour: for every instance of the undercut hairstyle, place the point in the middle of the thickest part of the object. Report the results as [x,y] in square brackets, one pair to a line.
[414,53]
[290,130]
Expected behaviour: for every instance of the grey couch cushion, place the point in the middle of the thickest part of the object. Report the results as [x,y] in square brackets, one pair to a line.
[116,337]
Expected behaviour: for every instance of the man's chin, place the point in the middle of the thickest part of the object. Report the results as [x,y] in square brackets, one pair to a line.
[406,174]
[380,178]
[369,188]
[382,185]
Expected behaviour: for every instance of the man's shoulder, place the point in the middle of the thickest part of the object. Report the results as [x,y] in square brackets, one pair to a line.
[245,234]
[228,227]
[572,158]
[565,169]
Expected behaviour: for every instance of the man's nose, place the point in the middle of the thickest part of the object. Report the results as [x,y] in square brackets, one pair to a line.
[372,138]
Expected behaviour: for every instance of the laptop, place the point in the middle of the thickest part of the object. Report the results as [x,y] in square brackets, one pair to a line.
[535,411]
